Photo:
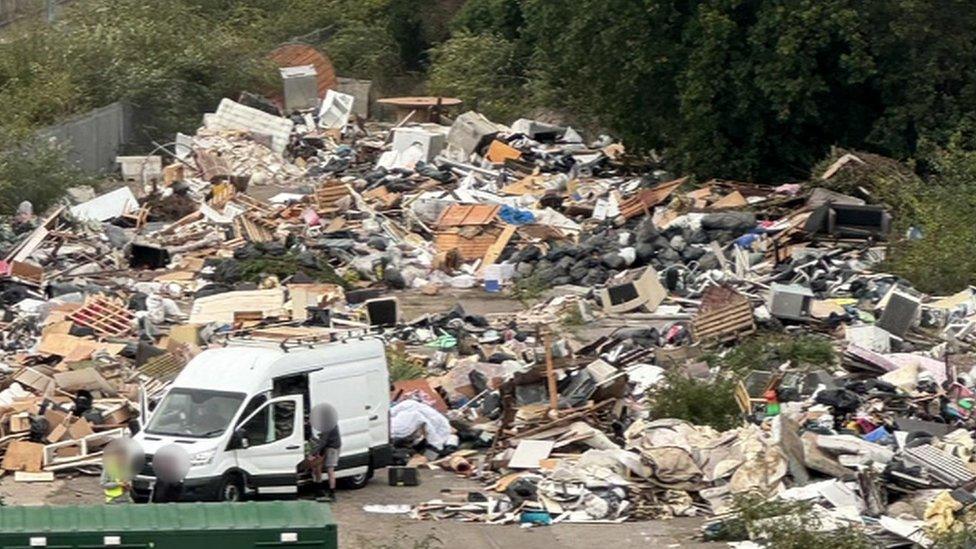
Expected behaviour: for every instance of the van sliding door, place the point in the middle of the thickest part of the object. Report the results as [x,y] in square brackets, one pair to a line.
[349,395]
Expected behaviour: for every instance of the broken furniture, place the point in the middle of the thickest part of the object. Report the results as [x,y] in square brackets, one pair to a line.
[633,289]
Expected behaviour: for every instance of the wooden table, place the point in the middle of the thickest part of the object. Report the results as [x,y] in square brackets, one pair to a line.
[432,107]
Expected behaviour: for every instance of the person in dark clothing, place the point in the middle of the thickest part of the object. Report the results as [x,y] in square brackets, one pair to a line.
[166,492]
[171,465]
[324,447]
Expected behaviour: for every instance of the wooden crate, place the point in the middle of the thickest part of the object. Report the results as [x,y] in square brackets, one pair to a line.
[724,323]
[105,317]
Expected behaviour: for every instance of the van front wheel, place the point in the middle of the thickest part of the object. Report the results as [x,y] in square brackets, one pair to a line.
[356,482]
[231,489]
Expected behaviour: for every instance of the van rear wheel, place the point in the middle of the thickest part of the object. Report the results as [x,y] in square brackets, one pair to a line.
[355,482]
[231,489]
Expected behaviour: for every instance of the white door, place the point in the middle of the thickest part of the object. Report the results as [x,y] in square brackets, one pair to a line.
[349,395]
[271,445]
[379,409]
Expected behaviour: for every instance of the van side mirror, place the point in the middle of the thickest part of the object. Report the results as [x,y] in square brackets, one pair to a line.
[238,440]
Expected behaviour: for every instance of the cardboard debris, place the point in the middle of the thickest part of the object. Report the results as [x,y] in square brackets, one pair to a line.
[23,456]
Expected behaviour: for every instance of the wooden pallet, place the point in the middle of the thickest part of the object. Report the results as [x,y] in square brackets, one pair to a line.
[164,367]
[461,215]
[469,248]
[105,317]
[724,323]
[253,204]
[328,195]
[253,228]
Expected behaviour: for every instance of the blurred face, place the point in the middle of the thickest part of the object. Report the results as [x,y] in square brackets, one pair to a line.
[124,457]
[323,418]
[171,464]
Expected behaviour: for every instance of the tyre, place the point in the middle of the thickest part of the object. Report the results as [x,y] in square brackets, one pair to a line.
[355,482]
[231,489]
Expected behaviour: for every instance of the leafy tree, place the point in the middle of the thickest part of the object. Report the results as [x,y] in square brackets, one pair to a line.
[750,89]
[768,88]
[364,50]
[925,53]
[482,70]
[613,63]
[501,17]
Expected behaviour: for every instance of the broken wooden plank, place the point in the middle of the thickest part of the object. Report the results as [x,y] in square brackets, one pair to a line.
[496,249]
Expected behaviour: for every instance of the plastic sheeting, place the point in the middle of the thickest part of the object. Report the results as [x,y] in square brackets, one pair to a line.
[408,416]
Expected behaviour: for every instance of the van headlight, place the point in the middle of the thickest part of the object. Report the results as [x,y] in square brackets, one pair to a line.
[203,458]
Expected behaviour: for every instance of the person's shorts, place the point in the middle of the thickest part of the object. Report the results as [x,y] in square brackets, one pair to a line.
[331,457]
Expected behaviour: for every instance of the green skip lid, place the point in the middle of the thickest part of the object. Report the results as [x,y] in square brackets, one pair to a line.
[256,515]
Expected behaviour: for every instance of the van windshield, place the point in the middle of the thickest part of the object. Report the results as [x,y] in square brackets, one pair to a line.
[194,413]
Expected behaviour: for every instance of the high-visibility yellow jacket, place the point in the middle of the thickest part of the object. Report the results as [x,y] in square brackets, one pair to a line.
[112,483]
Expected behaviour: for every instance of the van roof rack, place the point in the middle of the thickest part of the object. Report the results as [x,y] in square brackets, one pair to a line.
[290,335]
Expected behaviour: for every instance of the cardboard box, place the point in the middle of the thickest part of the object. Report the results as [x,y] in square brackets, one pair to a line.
[118,416]
[19,423]
[80,428]
[59,433]
[632,290]
[23,456]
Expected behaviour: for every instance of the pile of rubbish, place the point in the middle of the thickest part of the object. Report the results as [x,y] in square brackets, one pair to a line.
[291,223]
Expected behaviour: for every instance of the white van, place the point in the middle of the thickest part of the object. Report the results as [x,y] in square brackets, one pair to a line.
[240,413]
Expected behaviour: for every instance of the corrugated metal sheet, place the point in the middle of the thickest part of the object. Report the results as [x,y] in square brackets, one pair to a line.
[293,55]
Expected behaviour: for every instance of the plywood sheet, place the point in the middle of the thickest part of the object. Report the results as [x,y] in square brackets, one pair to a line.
[530,453]
[221,307]
[459,215]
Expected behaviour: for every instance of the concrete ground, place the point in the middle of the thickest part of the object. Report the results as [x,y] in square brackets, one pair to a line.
[359,529]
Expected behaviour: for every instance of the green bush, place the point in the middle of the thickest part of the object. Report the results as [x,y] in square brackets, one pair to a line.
[169,59]
[401,368]
[364,50]
[482,70]
[34,170]
[963,537]
[944,260]
[785,525]
[766,351]
[709,403]
[528,289]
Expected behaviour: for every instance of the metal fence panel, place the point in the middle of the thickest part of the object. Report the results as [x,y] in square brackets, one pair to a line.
[94,139]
